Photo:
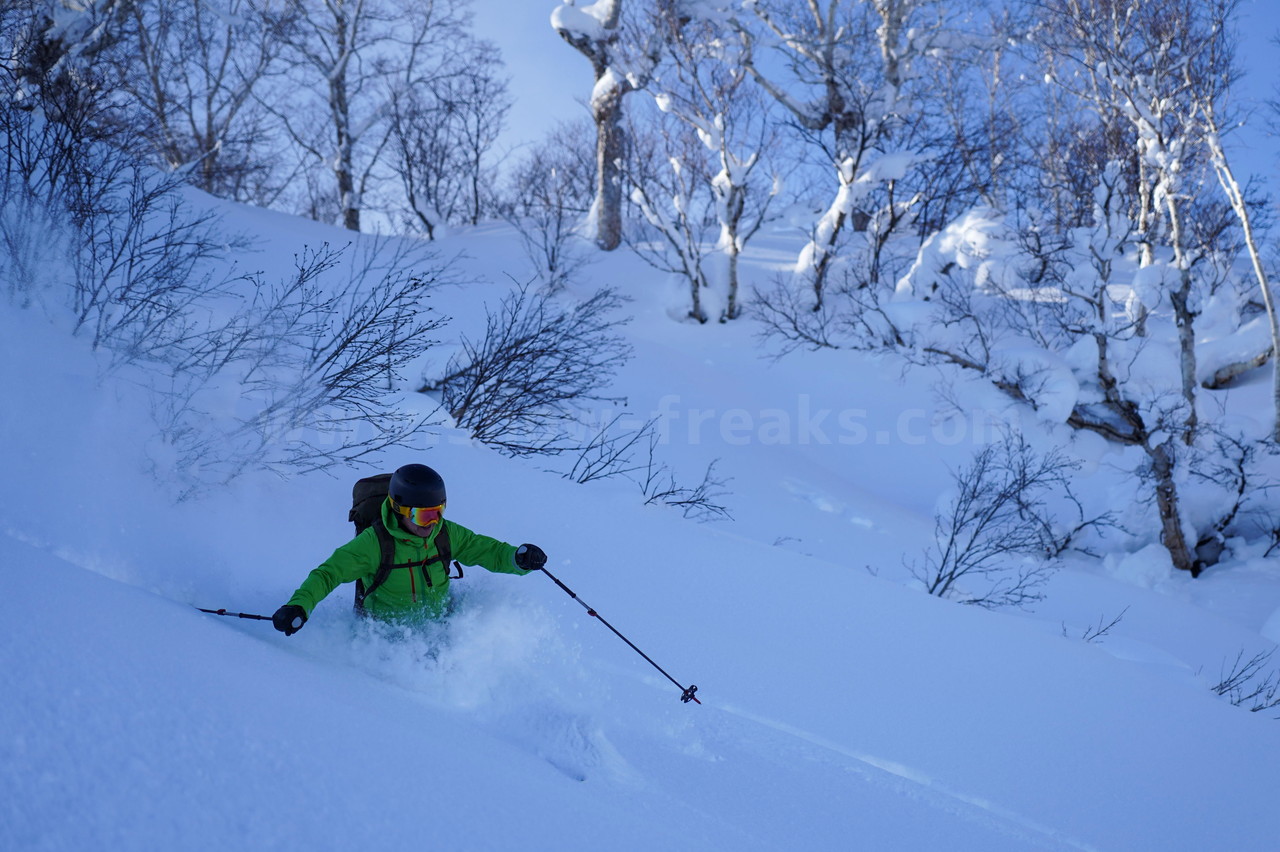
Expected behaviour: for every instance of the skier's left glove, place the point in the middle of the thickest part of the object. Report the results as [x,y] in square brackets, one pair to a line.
[529,557]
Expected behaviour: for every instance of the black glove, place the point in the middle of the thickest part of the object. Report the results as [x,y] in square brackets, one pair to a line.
[289,619]
[529,557]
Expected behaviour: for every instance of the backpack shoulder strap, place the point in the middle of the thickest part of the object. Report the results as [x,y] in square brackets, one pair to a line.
[444,550]
[387,549]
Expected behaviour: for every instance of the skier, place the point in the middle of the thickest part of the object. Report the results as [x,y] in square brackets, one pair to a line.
[411,581]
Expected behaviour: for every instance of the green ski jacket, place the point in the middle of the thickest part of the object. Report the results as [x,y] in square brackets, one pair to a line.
[418,591]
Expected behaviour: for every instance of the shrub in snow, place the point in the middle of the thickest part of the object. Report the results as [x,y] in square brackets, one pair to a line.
[1245,683]
[997,535]
[242,372]
[521,387]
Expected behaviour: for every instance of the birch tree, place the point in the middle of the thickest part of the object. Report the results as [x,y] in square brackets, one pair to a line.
[669,184]
[1095,327]
[596,31]
[1065,346]
[1161,68]
[1213,128]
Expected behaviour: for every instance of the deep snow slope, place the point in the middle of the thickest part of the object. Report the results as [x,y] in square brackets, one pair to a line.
[864,716]
[842,708]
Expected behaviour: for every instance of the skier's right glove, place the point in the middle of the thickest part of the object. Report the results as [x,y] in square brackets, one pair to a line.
[289,619]
[529,557]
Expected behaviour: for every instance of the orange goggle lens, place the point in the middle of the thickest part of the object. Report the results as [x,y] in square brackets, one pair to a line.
[423,517]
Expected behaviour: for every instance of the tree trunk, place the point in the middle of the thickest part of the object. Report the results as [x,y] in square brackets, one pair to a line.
[1185,319]
[824,244]
[340,108]
[732,205]
[343,167]
[1227,178]
[1171,531]
[611,147]
[606,110]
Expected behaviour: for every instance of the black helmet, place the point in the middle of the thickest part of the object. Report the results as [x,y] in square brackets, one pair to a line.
[416,485]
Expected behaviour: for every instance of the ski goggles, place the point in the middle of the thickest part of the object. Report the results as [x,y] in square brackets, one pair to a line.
[424,516]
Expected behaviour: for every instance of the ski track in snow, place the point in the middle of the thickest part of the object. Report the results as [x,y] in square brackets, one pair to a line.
[909,781]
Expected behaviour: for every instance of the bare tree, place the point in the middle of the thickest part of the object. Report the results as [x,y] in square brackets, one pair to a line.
[548,196]
[614,452]
[317,357]
[352,55]
[192,71]
[136,256]
[699,502]
[1244,684]
[428,161]
[146,281]
[1096,632]
[443,131]
[980,138]
[482,103]
[141,267]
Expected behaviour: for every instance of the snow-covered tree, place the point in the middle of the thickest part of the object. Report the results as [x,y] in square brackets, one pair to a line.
[702,82]
[670,186]
[1209,112]
[595,30]
[1062,343]
[848,73]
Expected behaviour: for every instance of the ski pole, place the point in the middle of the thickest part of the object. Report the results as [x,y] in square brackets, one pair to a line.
[235,614]
[686,693]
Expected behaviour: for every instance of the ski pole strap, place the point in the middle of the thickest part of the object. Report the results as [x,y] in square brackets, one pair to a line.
[235,614]
[686,693]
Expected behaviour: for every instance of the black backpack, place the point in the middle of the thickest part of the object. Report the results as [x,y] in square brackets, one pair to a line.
[366,511]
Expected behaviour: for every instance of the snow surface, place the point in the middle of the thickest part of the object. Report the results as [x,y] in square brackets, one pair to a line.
[842,709]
